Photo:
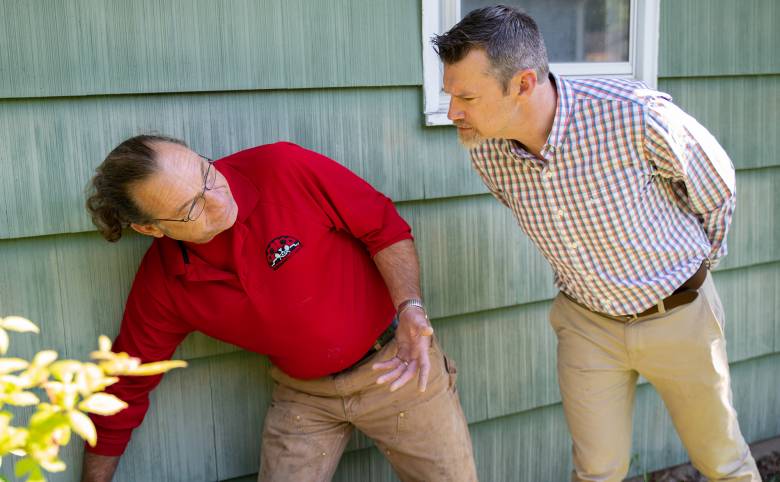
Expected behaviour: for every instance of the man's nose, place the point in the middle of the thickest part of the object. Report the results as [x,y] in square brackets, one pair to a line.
[454,113]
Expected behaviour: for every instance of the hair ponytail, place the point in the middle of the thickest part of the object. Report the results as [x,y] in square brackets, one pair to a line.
[109,203]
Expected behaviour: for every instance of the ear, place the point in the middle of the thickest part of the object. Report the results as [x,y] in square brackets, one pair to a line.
[523,84]
[148,230]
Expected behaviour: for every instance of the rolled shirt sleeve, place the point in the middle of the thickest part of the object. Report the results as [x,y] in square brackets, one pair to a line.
[683,151]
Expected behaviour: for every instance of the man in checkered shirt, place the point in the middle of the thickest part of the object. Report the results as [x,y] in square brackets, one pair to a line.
[630,200]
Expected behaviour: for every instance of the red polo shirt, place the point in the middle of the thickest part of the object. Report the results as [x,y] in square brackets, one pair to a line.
[293,278]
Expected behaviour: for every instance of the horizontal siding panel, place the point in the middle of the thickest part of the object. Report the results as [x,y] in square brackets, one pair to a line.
[177,441]
[78,47]
[754,236]
[241,390]
[718,37]
[750,296]
[49,149]
[474,257]
[741,112]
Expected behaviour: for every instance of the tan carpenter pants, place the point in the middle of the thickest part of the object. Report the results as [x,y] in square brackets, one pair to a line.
[682,353]
[423,435]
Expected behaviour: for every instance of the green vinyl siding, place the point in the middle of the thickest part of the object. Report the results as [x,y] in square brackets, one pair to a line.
[741,112]
[93,47]
[705,38]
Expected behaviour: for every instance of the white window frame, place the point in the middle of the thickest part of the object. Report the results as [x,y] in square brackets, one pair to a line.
[439,15]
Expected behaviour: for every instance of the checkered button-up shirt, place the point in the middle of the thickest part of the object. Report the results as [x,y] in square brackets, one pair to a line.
[630,196]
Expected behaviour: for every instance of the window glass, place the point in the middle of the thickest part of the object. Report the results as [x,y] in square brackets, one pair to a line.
[576,30]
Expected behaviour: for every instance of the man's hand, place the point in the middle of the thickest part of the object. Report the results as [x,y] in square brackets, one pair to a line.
[413,338]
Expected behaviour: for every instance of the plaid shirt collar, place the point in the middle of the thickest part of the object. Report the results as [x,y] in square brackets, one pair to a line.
[563,111]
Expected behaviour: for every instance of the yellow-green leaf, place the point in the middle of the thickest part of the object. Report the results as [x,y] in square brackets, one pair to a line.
[22,399]
[8,365]
[102,404]
[91,379]
[55,465]
[5,420]
[4,341]
[18,324]
[24,466]
[156,368]
[119,363]
[104,343]
[55,391]
[65,370]
[83,426]
[44,358]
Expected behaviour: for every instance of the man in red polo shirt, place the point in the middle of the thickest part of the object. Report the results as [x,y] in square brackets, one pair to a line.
[282,251]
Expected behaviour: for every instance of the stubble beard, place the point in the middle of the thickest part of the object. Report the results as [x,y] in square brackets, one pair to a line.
[470,138]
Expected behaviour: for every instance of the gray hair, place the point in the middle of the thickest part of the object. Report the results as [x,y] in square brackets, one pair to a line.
[509,37]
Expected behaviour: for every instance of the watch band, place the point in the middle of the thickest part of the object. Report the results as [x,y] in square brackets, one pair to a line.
[413,302]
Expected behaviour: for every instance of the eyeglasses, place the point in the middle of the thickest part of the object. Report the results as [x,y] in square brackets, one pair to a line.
[196,208]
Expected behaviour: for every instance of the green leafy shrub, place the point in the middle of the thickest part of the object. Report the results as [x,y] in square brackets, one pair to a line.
[73,390]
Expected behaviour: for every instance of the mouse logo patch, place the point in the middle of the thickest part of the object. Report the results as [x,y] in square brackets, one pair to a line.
[280,249]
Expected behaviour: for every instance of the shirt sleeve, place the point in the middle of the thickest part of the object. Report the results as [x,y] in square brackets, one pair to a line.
[687,154]
[151,332]
[349,203]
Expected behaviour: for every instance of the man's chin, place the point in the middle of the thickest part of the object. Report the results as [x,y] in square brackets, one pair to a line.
[470,138]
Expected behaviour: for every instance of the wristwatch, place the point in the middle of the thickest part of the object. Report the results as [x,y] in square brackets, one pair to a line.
[413,302]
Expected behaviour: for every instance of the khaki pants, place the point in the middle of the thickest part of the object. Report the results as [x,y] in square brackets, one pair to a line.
[423,435]
[682,353]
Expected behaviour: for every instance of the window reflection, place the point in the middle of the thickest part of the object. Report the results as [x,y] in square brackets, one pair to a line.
[576,30]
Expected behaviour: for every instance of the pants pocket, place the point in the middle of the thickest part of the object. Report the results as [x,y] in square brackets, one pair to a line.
[452,371]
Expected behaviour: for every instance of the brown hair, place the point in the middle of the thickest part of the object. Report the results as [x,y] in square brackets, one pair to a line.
[109,203]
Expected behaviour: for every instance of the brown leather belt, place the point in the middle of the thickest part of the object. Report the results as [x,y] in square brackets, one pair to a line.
[683,295]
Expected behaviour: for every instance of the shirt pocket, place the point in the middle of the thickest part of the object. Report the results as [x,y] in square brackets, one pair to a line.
[617,197]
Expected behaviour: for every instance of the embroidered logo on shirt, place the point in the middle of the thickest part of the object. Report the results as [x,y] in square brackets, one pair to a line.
[280,249]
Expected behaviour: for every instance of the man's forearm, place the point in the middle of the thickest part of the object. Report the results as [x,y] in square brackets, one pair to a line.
[400,269]
[98,468]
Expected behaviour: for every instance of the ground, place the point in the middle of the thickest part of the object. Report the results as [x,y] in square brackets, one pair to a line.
[767,454]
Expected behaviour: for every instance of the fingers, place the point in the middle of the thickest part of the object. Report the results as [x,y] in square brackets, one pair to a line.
[401,372]
[390,364]
[425,368]
[394,374]
[406,375]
